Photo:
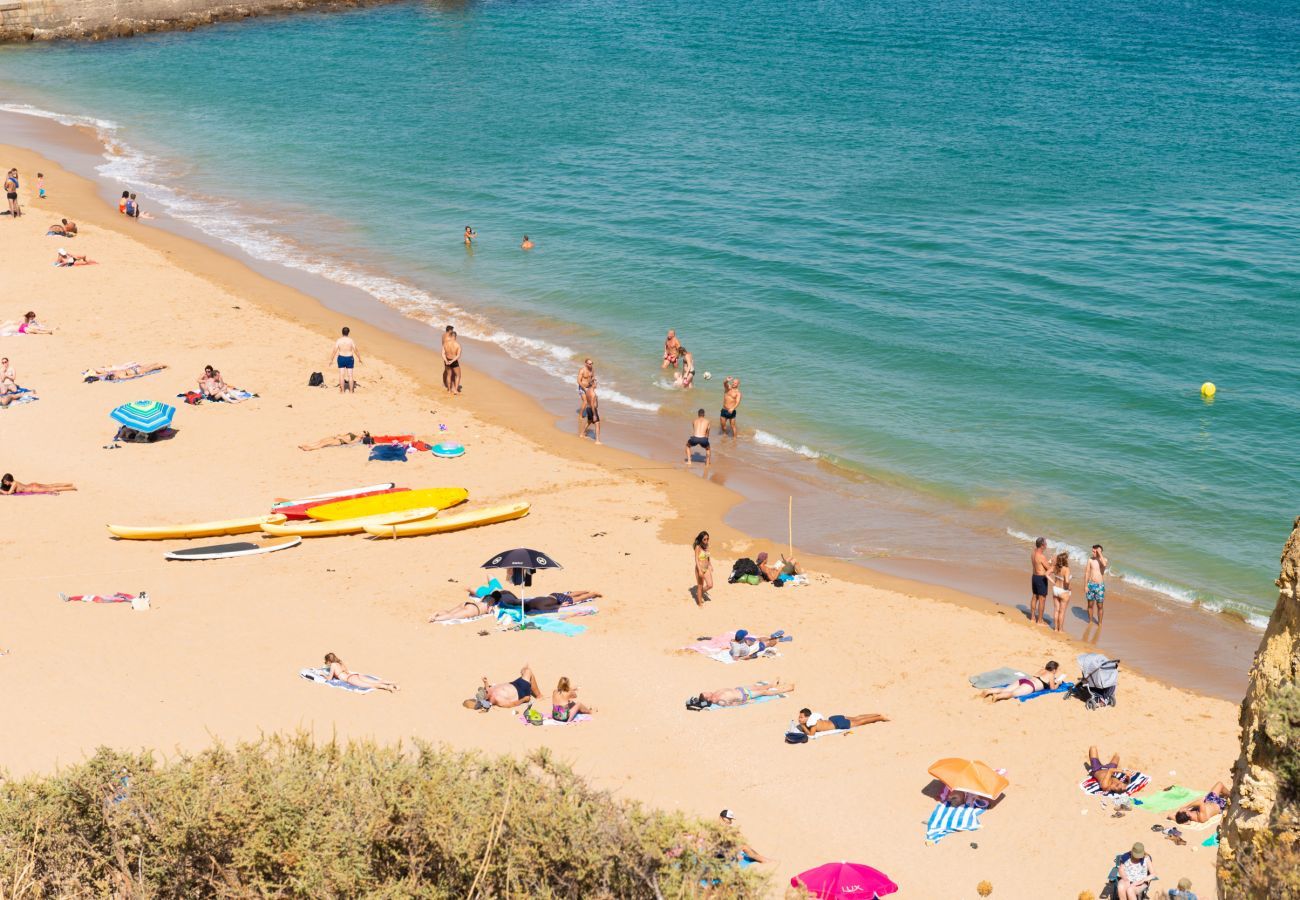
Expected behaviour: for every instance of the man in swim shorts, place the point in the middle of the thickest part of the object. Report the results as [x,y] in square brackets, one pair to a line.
[1109,776]
[589,410]
[508,695]
[730,402]
[671,349]
[451,361]
[345,351]
[1095,574]
[811,723]
[737,696]
[1038,581]
[699,437]
[11,193]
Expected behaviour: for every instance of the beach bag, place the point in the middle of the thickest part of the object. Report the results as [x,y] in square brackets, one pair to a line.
[316,380]
[533,716]
[742,567]
[796,737]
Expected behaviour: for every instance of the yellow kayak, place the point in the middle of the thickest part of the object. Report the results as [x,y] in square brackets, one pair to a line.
[378,504]
[456,522]
[194,529]
[302,528]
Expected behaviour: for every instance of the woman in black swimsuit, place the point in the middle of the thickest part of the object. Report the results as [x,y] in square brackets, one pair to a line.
[1047,679]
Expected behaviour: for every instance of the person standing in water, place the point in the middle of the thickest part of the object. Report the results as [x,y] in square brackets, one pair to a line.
[345,351]
[672,350]
[688,367]
[700,437]
[470,234]
[589,412]
[1038,581]
[1095,575]
[730,403]
[451,361]
[11,193]
[526,244]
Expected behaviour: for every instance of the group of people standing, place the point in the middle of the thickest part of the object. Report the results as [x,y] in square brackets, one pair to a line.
[1052,575]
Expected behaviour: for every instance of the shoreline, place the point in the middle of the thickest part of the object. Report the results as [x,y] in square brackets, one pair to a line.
[218,652]
[1150,633]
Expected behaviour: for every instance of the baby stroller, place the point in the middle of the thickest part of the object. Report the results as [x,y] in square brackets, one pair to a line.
[1098,678]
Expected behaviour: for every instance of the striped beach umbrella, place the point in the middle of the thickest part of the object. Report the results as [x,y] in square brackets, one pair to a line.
[145,416]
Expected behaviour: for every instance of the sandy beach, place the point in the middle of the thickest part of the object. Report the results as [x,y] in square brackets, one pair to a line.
[218,655]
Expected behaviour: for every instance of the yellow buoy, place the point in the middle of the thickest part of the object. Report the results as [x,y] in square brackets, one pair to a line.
[1208,389]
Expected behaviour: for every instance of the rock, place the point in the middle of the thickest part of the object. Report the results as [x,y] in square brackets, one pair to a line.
[1259,847]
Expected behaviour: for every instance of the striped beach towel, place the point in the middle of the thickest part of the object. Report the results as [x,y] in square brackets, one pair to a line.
[947,819]
[1089,785]
[322,676]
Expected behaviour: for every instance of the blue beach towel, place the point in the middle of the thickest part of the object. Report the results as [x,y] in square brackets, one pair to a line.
[948,819]
[322,676]
[1060,689]
[389,452]
[542,622]
[28,397]
[762,699]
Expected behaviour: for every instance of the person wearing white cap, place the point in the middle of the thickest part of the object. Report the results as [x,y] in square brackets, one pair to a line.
[747,853]
[64,258]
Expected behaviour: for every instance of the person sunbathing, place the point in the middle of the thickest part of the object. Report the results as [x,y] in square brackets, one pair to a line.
[564,702]
[10,485]
[340,672]
[474,606]
[214,387]
[544,604]
[812,723]
[1109,777]
[28,325]
[737,696]
[10,393]
[64,258]
[63,228]
[1201,811]
[337,440]
[775,570]
[1047,679]
[508,695]
[748,646]
[121,373]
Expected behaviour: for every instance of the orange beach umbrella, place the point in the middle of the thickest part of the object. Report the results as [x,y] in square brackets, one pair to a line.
[973,777]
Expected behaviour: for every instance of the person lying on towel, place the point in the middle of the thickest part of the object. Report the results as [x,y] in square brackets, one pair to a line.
[508,695]
[1110,777]
[543,604]
[1215,802]
[812,722]
[747,646]
[736,696]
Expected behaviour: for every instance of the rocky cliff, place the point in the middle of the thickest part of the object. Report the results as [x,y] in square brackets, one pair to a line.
[1259,850]
[28,20]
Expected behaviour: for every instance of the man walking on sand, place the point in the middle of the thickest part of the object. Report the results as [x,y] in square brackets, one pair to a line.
[700,437]
[451,361]
[589,411]
[1038,582]
[730,403]
[1095,574]
[11,193]
[345,351]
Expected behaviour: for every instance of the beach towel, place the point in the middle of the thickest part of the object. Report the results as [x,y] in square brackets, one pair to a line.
[322,676]
[549,622]
[463,621]
[388,453]
[119,597]
[1170,799]
[25,395]
[946,820]
[1089,785]
[1060,689]
[547,721]
[1211,841]
[90,376]
[763,699]
[791,581]
[995,678]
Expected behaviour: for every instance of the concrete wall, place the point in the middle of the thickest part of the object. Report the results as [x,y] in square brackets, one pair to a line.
[26,20]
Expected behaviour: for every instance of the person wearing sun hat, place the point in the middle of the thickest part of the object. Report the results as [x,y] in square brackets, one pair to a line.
[1183,891]
[1136,873]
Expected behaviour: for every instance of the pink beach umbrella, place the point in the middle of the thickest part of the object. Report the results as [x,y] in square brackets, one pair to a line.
[844,879]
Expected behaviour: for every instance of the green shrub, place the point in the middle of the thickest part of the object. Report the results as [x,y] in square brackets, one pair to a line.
[285,817]
[1282,727]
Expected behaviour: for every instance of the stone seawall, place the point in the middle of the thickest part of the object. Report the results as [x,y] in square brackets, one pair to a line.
[41,20]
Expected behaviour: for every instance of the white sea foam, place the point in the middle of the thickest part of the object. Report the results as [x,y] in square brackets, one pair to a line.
[768,439]
[259,238]
[1179,595]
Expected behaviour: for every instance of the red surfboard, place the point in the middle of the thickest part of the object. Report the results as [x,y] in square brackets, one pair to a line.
[299,510]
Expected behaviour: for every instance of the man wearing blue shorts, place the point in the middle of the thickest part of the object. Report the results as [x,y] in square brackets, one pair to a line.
[345,351]
[811,723]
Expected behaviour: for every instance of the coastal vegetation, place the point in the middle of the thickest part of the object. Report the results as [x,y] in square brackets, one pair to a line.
[286,816]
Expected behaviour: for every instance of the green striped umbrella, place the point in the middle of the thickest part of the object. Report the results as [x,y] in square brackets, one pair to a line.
[145,416]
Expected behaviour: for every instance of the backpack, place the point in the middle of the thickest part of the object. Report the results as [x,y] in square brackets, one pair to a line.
[316,380]
[742,567]
[796,737]
[533,716]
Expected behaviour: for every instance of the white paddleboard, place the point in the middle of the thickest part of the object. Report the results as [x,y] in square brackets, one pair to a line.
[227,551]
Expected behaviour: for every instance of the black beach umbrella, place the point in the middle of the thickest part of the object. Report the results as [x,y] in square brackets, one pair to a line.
[521,558]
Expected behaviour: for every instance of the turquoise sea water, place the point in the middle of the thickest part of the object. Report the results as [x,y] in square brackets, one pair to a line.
[983,248]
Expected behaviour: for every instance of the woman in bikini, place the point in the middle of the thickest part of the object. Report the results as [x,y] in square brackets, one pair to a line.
[10,485]
[564,702]
[337,440]
[471,608]
[28,325]
[340,672]
[1060,578]
[1202,811]
[122,373]
[1047,679]
[703,568]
